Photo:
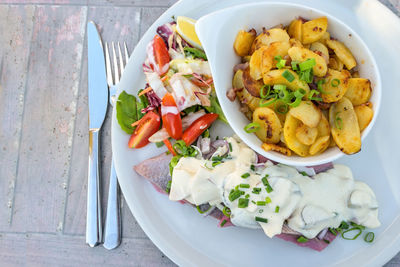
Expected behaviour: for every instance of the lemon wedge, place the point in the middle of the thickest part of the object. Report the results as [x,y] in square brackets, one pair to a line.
[185,28]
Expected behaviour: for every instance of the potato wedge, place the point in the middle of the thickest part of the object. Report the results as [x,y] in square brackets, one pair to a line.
[289,133]
[273,50]
[268,37]
[273,147]
[358,91]
[307,113]
[313,30]
[364,116]
[255,63]
[306,135]
[335,63]
[320,145]
[302,54]
[252,85]
[335,86]
[237,81]
[270,125]
[320,49]
[243,42]
[275,77]
[343,53]
[344,126]
[294,29]
[325,36]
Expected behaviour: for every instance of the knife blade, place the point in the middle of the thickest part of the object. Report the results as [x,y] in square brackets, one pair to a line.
[98,103]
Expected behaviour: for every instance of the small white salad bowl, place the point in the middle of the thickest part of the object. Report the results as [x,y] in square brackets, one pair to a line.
[217,32]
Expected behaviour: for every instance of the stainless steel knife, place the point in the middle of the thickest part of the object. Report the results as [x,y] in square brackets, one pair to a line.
[98,102]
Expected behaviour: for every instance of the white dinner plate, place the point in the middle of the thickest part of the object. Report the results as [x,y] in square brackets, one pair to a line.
[192,240]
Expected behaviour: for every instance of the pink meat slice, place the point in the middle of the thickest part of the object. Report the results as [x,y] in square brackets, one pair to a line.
[156,170]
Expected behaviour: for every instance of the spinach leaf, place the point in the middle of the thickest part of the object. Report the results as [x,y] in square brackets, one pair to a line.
[126,111]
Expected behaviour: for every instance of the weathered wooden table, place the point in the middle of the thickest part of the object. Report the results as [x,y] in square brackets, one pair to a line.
[44,125]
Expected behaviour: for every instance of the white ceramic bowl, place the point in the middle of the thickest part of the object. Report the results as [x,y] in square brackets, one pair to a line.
[217,32]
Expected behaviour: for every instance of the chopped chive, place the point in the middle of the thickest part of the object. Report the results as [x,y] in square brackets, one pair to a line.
[369,237]
[252,167]
[216,158]
[333,231]
[268,200]
[230,147]
[243,203]
[215,163]
[308,64]
[253,202]
[201,211]
[260,211]
[277,209]
[288,76]
[335,82]
[261,219]
[344,225]
[247,196]
[302,239]
[168,189]
[252,127]
[303,173]
[226,211]
[256,190]
[266,184]
[159,144]
[352,230]
[245,175]
[261,203]
[362,227]
[327,241]
[244,186]
[234,194]
[223,223]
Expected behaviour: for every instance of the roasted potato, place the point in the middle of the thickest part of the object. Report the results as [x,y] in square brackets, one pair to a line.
[358,91]
[320,49]
[325,36]
[302,54]
[268,37]
[335,86]
[270,125]
[344,126]
[243,42]
[243,95]
[275,77]
[237,81]
[355,74]
[294,42]
[306,135]
[323,127]
[274,49]
[343,53]
[277,148]
[307,113]
[313,30]
[289,133]
[364,116]
[335,63]
[320,145]
[252,85]
[294,29]
[255,64]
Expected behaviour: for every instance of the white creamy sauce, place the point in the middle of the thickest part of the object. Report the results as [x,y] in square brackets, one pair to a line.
[276,193]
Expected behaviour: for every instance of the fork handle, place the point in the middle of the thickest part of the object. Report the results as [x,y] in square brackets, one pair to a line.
[112,232]
[93,218]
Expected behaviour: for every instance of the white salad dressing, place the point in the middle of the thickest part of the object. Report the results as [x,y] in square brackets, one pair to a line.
[274,193]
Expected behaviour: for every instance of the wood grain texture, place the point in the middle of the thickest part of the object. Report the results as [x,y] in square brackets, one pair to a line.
[43,131]
[16,31]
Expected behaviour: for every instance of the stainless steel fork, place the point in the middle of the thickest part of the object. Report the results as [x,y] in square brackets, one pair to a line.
[112,231]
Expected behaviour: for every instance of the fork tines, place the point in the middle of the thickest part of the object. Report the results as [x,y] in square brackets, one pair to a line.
[118,67]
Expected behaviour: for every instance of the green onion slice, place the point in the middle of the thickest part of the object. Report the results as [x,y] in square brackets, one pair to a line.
[282,109]
[223,223]
[338,121]
[311,95]
[356,229]
[281,64]
[272,98]
[262,95]
[294,65]
[308,64]
[244,185]
[268,200]
[288,76]
[234,194]
[243,203]
[227,212]
[245,175]
[277,209]
[302,239]
[335,82]
[369,237]
[252,127]
[261,219]
[279,87]
[256,190]
[261,203]
[200,211]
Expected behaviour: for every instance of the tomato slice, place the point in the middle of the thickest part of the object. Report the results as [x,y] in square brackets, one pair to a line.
[161,54]
[198,127]
[169,146]
[149,124]
[171,117]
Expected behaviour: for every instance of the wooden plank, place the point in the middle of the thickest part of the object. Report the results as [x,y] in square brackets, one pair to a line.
[16,31]
[49,116]
[115,24]
[149,15]
[45,2]
[52,250]
[140,3]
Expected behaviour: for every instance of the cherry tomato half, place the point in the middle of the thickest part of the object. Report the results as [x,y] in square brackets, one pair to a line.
[161,54]
[171,117]
[198,127]
[148,125]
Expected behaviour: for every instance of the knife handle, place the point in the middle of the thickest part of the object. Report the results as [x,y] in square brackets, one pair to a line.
[112,232]
[93,219]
